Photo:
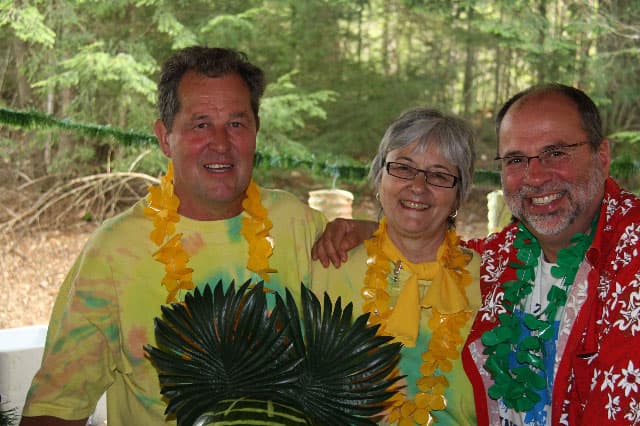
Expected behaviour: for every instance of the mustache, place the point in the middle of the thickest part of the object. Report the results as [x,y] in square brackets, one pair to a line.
[528,191]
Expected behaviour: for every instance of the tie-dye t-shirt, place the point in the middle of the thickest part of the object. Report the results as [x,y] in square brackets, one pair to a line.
[104,312]
[346,283]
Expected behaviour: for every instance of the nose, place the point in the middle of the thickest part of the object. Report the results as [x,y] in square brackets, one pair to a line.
[536,171]
[218,140]
[419,182]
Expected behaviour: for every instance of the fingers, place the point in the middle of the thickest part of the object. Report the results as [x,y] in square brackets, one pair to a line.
[348,235]
[326,253]
[332,246]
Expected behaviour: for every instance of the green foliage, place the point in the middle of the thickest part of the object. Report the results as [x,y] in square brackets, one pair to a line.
[180,35]
[331,166]
[27,23]
[320,360]
[285,109]
[341,70]
[487,178]
[92,66]
[624,164]
[231,30]
[626,137]
[624,167]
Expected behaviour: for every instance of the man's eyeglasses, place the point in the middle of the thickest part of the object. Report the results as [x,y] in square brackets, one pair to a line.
[402,171]
[551,158]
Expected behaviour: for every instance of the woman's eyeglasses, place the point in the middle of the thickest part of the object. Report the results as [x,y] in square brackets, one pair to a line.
[402,171]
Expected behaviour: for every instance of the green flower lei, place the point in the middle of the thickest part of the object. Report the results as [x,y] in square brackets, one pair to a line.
[518,387]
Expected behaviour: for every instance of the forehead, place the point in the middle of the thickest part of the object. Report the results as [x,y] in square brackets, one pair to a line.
[540,120]
[422,153]
[419,146]
[195,88]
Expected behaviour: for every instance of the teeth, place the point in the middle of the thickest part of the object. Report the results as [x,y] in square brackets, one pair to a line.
[217,166]
[414,205]
[546,199]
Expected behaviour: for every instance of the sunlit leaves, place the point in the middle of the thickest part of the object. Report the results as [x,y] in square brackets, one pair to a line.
[27,23]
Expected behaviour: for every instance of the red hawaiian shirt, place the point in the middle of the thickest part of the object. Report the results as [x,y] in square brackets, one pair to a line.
[597,365]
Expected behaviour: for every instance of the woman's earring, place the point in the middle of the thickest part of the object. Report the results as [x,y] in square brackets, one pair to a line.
[377,196]
[451,220]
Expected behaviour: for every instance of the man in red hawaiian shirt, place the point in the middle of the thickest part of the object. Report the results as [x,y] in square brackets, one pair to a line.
[555,341]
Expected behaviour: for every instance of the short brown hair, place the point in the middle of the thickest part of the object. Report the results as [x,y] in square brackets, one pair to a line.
[209,61]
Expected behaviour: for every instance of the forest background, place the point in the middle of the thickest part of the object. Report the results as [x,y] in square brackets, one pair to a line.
[77,97]
[77,83]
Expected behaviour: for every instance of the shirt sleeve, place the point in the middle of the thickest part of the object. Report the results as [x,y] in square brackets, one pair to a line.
[78,359]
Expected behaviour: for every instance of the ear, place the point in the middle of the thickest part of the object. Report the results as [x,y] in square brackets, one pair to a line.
[162,133]
[604,155]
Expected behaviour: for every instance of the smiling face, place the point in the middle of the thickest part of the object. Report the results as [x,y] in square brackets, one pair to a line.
[554,203]
[211,144]
[415,210]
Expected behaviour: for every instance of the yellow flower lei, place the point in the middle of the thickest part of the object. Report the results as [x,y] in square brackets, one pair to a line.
[162,208]
[445,338]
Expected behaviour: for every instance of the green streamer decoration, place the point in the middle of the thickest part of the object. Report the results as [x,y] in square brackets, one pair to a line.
[265,157]
[35,120]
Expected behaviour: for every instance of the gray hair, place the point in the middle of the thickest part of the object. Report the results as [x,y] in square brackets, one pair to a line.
[451,136]
[212,62]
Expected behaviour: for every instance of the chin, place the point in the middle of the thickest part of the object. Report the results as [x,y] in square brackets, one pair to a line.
[549,225]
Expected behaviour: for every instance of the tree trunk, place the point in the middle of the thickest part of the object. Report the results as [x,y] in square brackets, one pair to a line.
[467,86]
[24,89]
[542,60]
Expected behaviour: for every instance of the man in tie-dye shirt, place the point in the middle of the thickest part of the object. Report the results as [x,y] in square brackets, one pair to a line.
[103,317]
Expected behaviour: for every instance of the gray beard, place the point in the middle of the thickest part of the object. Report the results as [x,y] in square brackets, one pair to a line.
[555,223]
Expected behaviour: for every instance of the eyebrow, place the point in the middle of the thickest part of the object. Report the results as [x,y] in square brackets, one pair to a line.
[413,164]
[241,114]
[544,148]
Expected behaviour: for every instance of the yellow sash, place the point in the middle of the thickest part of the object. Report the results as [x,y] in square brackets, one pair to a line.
[446,293]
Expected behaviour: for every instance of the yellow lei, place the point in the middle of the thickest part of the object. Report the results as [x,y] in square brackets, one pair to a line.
[445,339]
[162,208]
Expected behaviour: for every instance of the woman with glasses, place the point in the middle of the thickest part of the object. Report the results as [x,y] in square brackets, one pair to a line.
[413,277]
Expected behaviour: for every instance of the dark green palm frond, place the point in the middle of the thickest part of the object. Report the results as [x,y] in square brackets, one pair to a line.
[224,356]
[218,346]
[346,368]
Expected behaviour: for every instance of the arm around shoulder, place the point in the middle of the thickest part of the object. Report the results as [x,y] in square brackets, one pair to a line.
[340,236]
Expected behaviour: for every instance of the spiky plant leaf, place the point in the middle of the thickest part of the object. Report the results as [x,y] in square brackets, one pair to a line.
[346,367]
[218,347]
